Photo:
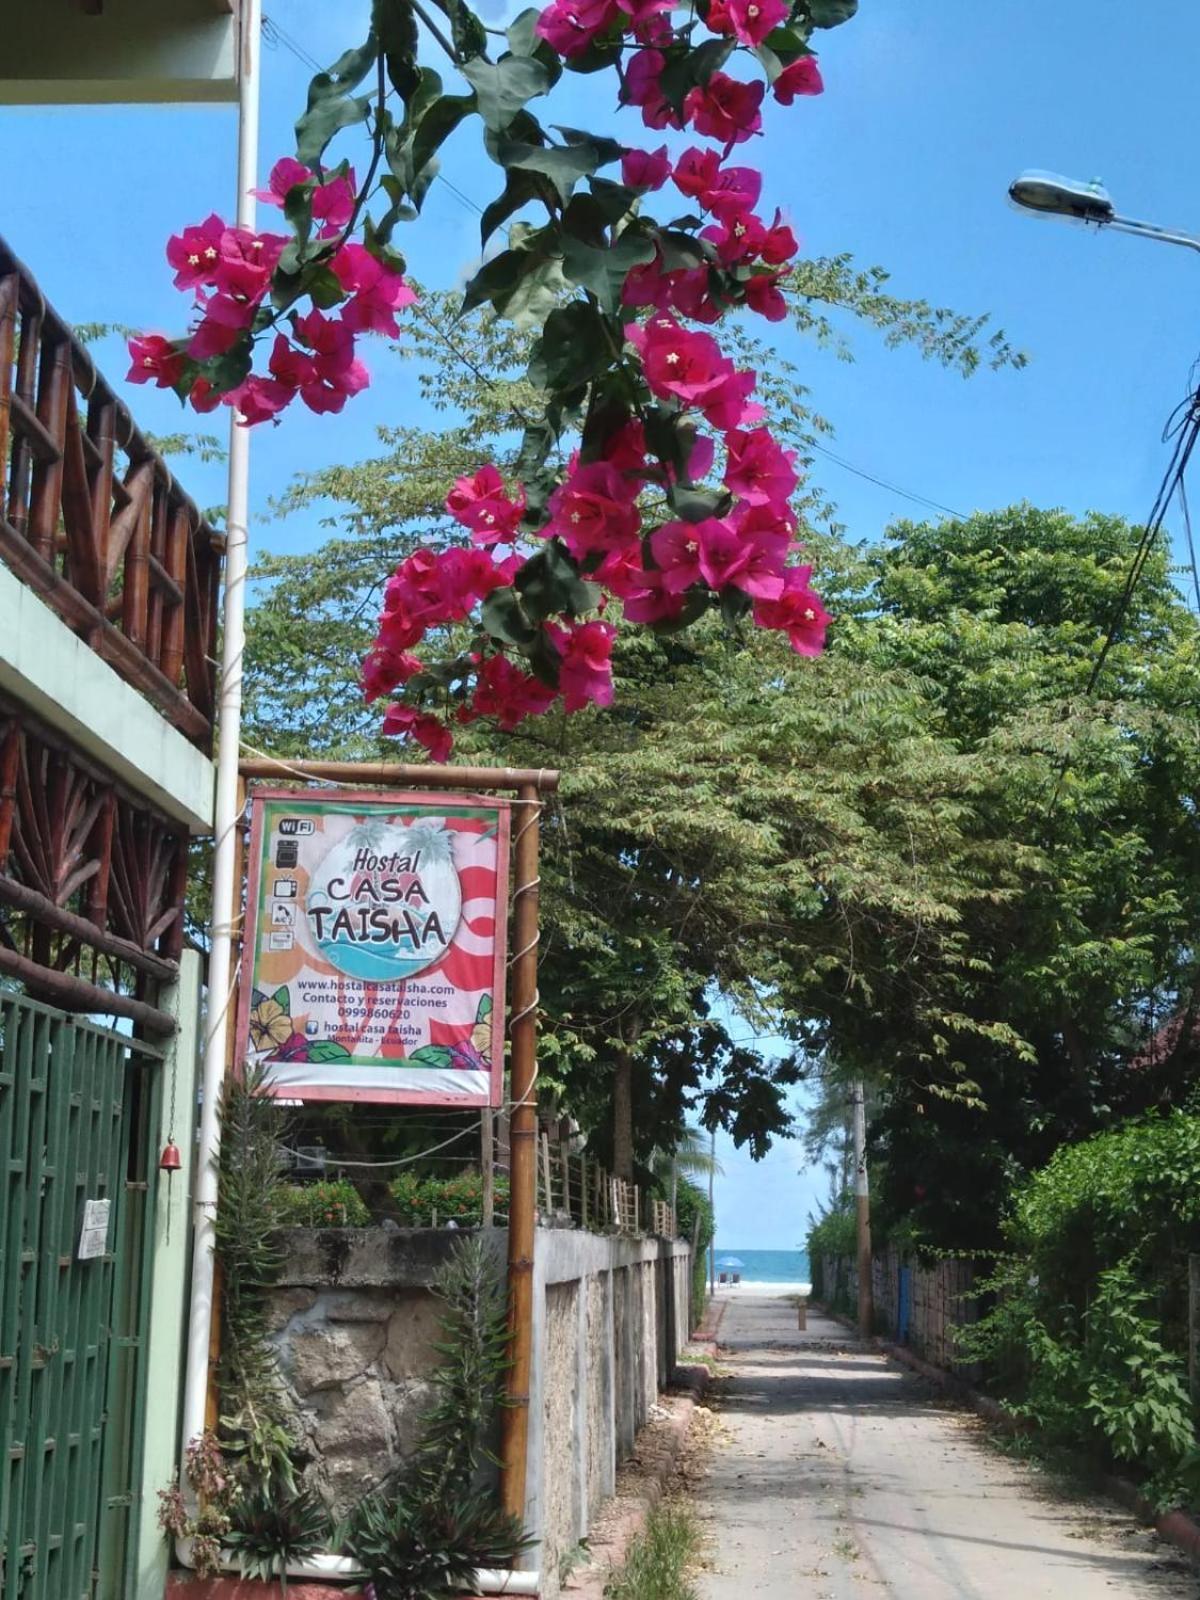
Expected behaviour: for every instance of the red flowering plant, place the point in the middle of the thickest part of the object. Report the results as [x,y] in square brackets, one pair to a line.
[649,489]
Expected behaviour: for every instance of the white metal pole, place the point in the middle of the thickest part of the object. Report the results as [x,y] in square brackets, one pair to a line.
[220,987]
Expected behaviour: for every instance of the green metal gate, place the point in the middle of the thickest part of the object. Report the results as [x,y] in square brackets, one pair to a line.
[78,1110]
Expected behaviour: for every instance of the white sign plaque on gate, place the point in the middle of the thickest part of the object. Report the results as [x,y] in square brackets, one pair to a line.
[93,1237]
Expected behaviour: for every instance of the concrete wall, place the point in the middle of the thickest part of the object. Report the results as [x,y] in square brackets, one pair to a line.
[168,1300]
[355,1325]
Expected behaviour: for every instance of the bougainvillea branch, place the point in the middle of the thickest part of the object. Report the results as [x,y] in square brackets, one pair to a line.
[676,497]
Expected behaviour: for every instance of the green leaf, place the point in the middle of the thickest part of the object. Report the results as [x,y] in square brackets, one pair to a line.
[697,505]
[603,270]
[609,149]
[681,250]
[573,346]
[429,1055]
[615,200]
[735,604]
[520,188]
[831,13]
[503,618]
[283,1000]
[330,105]
[504,88]
[563,167]
[522,37]
[550,584]
[438,123]
[327,1050]
[396,25]
[538,441]
[771,63]
[323,284]
[498,279]
[484,1010]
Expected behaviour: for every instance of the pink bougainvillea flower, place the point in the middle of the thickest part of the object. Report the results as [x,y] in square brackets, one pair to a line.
[594,510]
[733,192]
[647,285]
[676,551]
[696,170]
[194,253]
[383,669]
[154,360]
[406,723]
[504,691]
[757,469]
[641,13]
[797,611]
[725,108]
[376,292]
[261,399]
[653,604]
[585,663]
[246,261]
[679,362]
[626,448]
[285,175]
[730,406]
[691,294]
[753,20]
[290,365]
[481,505]
[803,76]
[336,373]
[717,19]
[739,239]
[621,572]
[333,203]
[779,243]
[203,397]
[763,295]
[332,198]
[569,26]
[646,169]
[643,87]
[212,336]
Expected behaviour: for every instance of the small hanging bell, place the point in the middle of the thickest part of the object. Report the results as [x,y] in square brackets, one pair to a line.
[170,1160]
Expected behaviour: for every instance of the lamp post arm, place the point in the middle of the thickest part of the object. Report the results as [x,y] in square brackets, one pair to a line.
[1147,230]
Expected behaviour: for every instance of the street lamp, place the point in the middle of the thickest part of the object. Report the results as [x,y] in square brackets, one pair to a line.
[1046,194]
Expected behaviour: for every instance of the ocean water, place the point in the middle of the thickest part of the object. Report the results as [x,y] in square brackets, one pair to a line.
[767,1266]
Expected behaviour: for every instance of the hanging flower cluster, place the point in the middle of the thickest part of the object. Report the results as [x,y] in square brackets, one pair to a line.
[677,498]
[247,285]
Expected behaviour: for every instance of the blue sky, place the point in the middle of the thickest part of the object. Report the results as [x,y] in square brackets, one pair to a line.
[930,110]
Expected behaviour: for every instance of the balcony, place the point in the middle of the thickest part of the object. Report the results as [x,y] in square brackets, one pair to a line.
[92,519]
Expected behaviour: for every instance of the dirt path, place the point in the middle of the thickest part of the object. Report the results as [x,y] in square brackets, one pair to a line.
[840,1478]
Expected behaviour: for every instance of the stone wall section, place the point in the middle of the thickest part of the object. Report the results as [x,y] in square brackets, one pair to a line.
[355,1324]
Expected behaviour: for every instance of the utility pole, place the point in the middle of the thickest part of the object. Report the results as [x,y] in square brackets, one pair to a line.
[862,1206]
[712,1243]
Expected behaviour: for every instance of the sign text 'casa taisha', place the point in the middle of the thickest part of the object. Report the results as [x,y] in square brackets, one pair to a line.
[375,946]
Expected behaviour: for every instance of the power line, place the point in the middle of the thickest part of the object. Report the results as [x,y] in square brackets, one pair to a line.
[883,483]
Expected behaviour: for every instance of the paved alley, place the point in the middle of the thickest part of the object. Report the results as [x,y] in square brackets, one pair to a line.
[840,1477]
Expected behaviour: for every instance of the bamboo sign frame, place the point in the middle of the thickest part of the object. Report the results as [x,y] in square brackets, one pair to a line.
[529,786]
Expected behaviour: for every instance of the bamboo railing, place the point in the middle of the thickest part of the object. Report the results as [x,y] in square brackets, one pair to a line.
[92,519]
[575,1190]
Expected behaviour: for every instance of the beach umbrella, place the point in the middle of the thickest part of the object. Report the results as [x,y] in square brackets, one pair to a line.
[731,1261]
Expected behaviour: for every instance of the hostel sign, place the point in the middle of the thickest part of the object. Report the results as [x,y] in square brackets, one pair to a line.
[375,946]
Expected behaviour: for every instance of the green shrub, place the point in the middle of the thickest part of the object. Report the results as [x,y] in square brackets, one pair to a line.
[1087,1334]
[660,1558]
[691,1203]
[334,1203]
[458,1199]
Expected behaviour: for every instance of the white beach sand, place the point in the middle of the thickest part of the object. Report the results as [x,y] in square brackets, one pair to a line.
[749,1287]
